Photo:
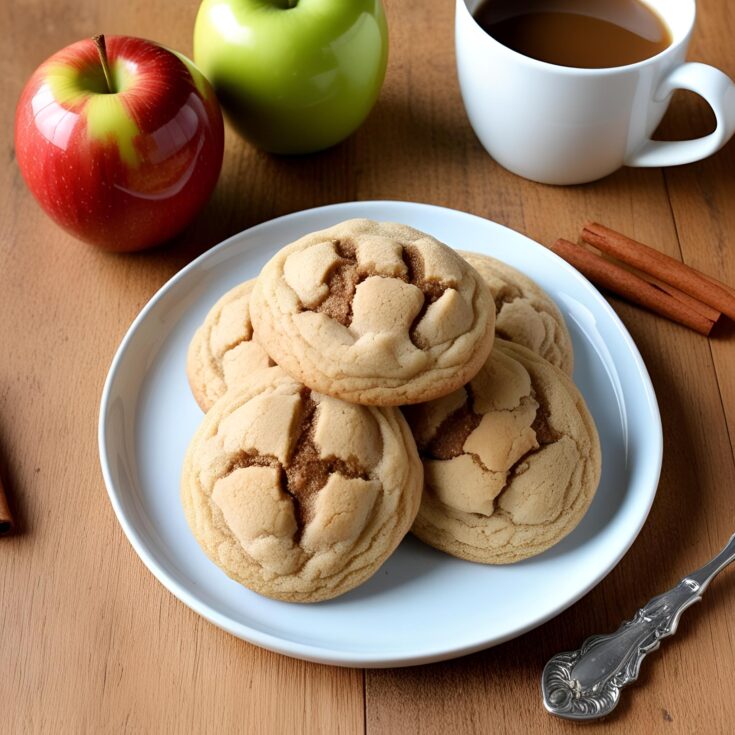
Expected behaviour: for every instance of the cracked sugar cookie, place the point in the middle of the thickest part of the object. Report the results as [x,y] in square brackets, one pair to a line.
[511,460]
[297,495]
[525,313]
[374,313]
[223,353]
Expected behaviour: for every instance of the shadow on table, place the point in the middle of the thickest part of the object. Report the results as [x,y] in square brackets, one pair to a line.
[13,490]
[489,684]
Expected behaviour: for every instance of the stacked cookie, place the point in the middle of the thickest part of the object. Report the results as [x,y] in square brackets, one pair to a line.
[373,381]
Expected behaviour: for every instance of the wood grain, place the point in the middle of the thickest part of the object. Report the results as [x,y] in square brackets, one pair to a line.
[91,642]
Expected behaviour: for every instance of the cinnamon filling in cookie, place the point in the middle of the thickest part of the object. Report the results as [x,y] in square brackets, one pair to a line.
[477,446]
[432,290]
[342,283]
[506,295]
[347,274]
[545,434]
[453,431]
[306,472]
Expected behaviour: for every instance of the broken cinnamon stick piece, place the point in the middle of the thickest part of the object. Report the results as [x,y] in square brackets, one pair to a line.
[617,279]
[668,269]
[7,524]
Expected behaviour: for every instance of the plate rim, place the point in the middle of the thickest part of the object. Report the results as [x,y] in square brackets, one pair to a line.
[318,653]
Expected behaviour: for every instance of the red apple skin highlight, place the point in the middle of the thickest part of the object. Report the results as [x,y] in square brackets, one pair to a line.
[122,171]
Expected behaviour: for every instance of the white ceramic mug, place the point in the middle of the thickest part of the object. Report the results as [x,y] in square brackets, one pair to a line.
[562,125]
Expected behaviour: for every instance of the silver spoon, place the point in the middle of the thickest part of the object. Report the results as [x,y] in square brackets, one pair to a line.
[585,684]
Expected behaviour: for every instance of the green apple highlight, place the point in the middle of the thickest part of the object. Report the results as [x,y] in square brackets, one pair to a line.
[294,76]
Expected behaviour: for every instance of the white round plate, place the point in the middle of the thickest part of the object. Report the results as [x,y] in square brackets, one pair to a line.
[422,605]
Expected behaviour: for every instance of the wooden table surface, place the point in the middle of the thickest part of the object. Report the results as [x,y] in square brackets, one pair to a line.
[90,641]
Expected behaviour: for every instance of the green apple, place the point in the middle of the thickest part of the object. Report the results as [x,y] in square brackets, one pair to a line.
[294,76]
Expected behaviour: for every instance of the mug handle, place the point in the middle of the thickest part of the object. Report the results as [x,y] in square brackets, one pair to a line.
[718,91]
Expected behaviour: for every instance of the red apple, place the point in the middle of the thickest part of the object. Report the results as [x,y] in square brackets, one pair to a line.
[121,146]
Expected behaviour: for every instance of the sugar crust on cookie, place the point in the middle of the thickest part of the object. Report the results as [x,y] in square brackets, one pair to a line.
[223,352]
[525,313]
[512,460]
[375,313]
[297,495]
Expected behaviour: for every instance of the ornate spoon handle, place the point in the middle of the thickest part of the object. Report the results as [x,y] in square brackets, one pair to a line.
[585,684]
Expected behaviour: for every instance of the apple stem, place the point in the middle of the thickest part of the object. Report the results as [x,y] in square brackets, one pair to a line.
[292,3]
[99,42]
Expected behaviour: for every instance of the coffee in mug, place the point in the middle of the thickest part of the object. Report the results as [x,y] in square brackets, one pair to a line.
[589,34]
[584,107]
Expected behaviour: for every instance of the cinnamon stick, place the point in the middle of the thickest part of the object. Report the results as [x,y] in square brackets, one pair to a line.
[671,271]
[7,524]
[689,301]
[617,279]
[723,286]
